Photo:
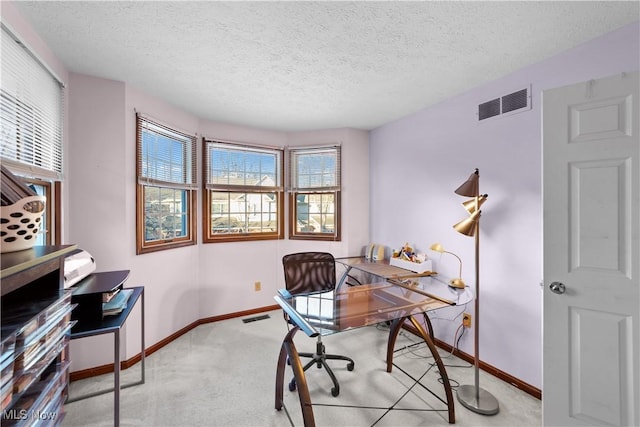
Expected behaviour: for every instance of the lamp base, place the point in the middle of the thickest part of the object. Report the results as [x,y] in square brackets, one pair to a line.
[456,283]
[482,402]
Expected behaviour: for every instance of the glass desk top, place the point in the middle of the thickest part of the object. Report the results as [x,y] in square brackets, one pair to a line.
[368,304]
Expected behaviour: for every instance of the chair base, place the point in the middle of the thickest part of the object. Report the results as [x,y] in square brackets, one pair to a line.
[319,358]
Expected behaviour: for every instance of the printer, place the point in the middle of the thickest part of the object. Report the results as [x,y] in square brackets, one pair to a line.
[77,265]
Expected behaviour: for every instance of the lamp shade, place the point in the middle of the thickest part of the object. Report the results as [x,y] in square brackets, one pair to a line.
[437,247]
[470,187]
[470,205]
[468,226]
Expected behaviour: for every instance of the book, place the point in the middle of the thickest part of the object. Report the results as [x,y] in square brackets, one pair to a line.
[107,296]
[117,304]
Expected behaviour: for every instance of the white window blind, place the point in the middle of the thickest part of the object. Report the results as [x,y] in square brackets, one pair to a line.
[165,156]
[314,169]
[31,109]
[231,166]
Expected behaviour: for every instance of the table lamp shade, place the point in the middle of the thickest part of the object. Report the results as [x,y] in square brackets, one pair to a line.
[437,247]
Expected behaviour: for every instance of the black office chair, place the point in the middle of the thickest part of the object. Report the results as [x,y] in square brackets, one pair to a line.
[307,272]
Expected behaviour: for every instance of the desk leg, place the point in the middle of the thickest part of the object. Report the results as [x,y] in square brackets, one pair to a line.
[116,378]
[394,330]
[288,349]
[427,322]
[441,368]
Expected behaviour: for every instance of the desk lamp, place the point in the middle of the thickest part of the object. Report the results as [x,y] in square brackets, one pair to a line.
[472,397]
[454,283]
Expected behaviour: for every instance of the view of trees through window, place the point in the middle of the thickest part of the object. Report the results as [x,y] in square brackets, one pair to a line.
[315,213]
[165,213]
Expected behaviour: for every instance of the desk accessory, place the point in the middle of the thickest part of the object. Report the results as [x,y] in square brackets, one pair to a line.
[472,397]
[374,252]
[408,259]
[21,211]
[77,265]
[90,293]
[454,283]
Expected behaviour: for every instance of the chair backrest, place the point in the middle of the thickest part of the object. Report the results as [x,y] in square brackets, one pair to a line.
[306,272]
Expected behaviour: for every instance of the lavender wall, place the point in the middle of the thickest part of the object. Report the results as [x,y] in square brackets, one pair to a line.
[417,162]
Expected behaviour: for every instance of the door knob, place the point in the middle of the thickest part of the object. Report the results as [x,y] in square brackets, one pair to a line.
[557,288]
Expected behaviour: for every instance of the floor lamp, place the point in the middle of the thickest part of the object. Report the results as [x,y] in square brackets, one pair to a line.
[473,397]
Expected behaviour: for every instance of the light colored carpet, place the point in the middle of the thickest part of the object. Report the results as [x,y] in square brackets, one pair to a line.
[223,374]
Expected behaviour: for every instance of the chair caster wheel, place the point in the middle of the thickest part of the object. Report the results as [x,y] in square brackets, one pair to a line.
[335,392]
[350,366]
[292,385]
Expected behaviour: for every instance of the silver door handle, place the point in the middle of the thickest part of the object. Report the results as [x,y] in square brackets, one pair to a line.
[557,288]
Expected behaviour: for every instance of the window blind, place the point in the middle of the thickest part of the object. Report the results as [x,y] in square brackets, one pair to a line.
[231,167]
[314,169]
[31,112]
[166,157]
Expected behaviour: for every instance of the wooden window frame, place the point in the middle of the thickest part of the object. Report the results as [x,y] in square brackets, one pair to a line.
[301,235]
[188,186]
[210,188]
[296,190]
[52,214]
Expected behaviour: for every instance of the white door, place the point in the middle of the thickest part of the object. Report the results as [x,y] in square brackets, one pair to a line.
[591,215]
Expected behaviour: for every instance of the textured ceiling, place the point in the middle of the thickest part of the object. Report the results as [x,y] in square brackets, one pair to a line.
[313,65]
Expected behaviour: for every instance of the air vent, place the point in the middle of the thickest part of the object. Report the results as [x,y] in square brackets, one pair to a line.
[489,109]
[256,318]
[514,102]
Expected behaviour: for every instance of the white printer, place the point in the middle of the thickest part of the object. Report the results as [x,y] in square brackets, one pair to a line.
[77,265]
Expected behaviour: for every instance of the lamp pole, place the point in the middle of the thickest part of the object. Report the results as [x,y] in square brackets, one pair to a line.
[471,397]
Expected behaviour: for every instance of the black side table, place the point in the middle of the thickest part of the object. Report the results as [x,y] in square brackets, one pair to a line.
[87,294]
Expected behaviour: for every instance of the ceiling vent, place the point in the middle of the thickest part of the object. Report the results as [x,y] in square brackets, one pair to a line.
[514,102]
